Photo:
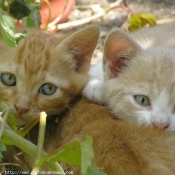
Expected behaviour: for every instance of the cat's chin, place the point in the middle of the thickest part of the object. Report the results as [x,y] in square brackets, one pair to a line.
[23,120]
[55,111]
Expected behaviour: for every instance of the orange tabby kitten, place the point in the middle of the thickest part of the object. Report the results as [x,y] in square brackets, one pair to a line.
[120,148]
[44,72]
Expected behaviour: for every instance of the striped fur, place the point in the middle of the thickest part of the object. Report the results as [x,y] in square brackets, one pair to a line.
[40,58]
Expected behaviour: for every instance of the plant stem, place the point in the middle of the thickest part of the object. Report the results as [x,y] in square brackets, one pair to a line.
[23,131]
[4,115]
[42,127]
[28,147]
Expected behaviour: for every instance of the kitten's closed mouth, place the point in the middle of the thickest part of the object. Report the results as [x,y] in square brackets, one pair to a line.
[21,118]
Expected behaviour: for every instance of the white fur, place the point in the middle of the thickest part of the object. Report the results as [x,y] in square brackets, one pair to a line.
[160,113]
[143,117]
[158,87]
[93,89]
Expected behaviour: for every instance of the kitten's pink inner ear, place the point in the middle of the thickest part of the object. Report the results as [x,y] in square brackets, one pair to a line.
[117,61]
[118,49]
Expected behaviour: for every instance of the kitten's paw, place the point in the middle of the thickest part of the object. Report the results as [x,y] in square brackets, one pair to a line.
[93,91]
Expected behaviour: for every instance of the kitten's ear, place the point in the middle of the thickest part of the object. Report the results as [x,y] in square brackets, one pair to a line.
[81,46]
[118,50]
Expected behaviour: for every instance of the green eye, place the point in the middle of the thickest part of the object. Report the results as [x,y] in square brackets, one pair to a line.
[142,100]
[8,79]
[47,89]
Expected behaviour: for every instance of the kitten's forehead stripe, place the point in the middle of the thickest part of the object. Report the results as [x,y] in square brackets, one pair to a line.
[35,45]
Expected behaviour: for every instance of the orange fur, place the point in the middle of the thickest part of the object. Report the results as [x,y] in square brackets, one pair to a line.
[120,148]
[42,58]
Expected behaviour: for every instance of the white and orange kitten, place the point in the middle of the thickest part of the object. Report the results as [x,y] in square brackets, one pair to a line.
[138,84]
[45,72]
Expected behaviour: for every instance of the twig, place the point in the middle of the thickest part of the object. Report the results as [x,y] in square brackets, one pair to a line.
[54,22]
[76,23]
[10,164]
[166,20]
[83,21]
[16,156]
[49,16]
[20,164]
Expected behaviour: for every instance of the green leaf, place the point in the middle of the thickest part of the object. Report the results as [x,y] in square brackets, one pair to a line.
[138,21]
[70,154]
[18,9]
[33,19]
[19,36]
[1,156]
[2,148]
[148,18]
[93,170]
[75,153]
[86,154]
[8,30]
[7,25]
[12,122]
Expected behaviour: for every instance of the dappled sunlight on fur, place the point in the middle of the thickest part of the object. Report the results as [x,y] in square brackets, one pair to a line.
[140,63]
[41,59]
[120,147]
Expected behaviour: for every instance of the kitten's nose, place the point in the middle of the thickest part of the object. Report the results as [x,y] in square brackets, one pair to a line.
[161,125]
[21,110]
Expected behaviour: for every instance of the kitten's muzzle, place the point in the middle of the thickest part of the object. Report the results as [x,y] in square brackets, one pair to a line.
[161,125]
[21,110]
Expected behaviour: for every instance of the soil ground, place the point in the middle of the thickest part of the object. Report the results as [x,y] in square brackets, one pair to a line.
[161,9]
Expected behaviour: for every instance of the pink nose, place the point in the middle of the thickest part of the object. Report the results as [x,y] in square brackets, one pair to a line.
[161,125]
[21,110]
